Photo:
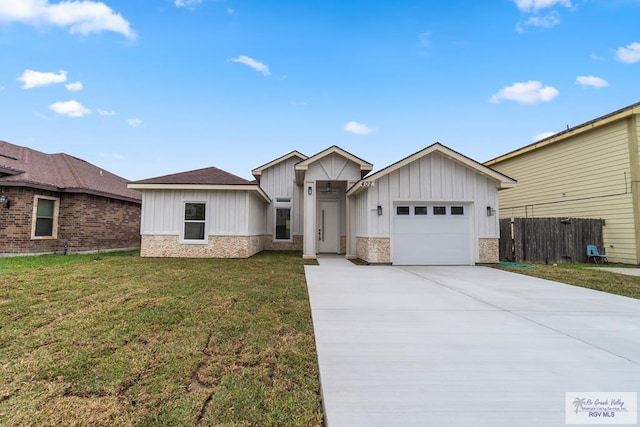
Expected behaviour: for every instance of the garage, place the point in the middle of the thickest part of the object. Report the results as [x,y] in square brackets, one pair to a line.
[435,207]
[431,233]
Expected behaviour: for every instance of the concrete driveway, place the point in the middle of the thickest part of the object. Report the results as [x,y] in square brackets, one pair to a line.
[463,346]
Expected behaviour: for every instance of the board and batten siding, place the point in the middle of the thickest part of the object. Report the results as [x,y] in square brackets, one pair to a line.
[257,221]
[428,179]
[584,176]
[227,212]
[360,218]
[279,181]
[436,178]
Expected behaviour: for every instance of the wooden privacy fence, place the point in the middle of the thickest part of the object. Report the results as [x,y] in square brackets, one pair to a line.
[548,240]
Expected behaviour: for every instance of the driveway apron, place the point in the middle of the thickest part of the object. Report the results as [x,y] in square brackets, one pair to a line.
[463,346]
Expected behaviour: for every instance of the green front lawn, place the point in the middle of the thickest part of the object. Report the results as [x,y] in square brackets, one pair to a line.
[583,275]
[116,339]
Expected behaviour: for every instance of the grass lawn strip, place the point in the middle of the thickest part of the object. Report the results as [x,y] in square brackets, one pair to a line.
[585,276]
[105,340]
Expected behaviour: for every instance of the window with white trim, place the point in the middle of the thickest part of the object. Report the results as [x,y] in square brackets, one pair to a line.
[420,210]
[194,221]
[283,219]
[457,210]
[45,217]
[439,210]
[402,210]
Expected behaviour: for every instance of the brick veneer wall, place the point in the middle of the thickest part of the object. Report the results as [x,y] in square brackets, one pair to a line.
[269,245]
[488,251]
[216,247]
[86,223]
[374,249]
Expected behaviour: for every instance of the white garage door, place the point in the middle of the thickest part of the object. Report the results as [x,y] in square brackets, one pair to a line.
[431,234]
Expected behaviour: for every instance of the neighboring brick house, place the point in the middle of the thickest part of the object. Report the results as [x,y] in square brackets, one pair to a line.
[57,203]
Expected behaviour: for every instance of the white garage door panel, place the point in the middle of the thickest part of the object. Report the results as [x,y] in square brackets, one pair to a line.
[432,239]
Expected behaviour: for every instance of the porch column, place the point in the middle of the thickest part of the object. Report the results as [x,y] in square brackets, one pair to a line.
[309,236]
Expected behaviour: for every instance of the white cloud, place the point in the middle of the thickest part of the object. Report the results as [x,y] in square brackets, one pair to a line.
[74,87]
[541,136]
[548,21]
[535,5]
[538,20]
[134,122]
[592,81]
[250,62]
[596,57]
[186,3]
[31,79]
[70,108]
[106,112]
[629,54]
[358,129]
[231,11]
[530,92]
[80,16]
[299,103]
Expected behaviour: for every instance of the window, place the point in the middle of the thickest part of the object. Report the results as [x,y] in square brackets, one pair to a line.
[420,210]
[439,210]
[402,210]
[194,221]
[283,223]
[282,219]
[45,218]
[457,210]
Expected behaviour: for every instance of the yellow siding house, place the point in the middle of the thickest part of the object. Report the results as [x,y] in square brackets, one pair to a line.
[589,171]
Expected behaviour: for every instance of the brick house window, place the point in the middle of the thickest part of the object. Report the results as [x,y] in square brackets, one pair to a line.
[194,221]
[45,217]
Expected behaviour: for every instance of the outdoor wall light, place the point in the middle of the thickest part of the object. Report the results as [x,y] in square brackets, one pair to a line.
[310,190]
[490,211]
[4,201]
[379,210]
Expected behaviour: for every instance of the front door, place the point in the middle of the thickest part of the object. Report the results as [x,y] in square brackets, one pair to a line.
[328,227]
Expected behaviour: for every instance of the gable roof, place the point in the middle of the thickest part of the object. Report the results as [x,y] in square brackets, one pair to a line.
[258,171]
[620,114]
[210,178]
[503,180]
[25,167]
[365,167]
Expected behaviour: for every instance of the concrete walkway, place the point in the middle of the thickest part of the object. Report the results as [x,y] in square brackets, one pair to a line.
[463,346]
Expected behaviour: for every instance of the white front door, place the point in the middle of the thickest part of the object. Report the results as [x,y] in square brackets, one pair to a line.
[328,227]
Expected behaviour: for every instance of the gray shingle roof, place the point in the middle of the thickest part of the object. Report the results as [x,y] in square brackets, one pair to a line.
[59,172]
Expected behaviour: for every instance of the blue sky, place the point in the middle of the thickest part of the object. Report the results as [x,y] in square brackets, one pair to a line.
[145,88]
